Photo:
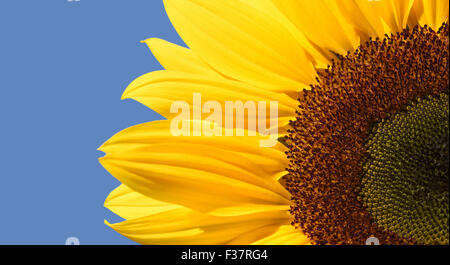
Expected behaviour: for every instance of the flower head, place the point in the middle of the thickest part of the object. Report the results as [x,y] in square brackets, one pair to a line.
[361,93]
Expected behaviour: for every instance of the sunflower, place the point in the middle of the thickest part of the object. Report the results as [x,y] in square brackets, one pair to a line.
[362,88]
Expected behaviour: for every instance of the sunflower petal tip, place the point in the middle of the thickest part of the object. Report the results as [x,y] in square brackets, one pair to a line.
[107,203]
[107,223]
[150,41]
[103,159]
[126,93]
[101,148]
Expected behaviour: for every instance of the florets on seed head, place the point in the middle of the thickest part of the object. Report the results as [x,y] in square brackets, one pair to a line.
[405,173]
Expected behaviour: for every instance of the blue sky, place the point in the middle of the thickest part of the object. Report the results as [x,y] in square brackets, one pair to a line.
[64,66]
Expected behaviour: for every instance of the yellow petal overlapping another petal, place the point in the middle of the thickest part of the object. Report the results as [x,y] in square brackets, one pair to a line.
[202,173]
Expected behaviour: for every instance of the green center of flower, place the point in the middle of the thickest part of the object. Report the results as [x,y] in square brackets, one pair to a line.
[405,176]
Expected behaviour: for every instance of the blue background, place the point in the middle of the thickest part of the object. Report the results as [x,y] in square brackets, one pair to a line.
[63,68]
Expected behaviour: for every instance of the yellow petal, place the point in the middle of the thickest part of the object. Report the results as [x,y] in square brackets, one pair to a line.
[242,43]
[321,24]
[184,226]
[247,209]
[129,204]
[343,25]
[132,205]
[377,18]
[177,58]
[202,173]
[431,12]
[268,8]
[159,90]
[285,235]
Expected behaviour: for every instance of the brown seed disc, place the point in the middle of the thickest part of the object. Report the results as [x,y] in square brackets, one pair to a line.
[327,140]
